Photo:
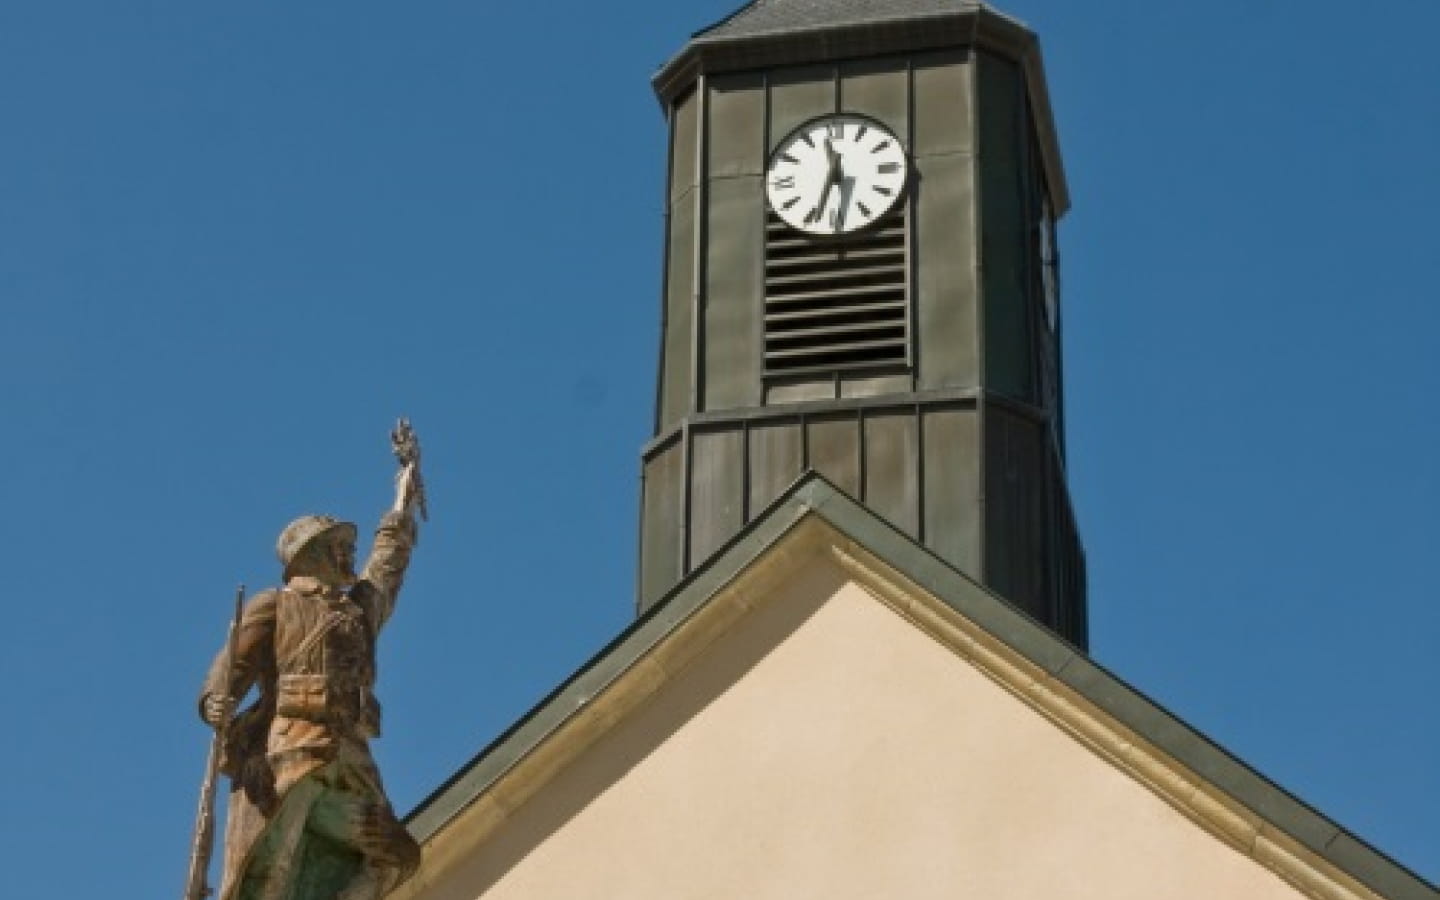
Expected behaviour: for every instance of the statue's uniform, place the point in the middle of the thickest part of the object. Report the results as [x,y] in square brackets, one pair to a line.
[308,812]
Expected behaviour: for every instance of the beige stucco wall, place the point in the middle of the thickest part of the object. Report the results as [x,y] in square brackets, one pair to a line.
[825,747]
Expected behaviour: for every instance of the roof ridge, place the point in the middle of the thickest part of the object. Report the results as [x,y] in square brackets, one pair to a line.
[734,14]
[780,15]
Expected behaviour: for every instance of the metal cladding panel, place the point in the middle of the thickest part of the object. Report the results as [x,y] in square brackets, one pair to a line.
[679,297]
[777,452]
[717,490]
[660,524]
[684,138]
[892,468]
[1004,240]
[737,125]
[733,279]
[946,274]
[795,390]
[797,95]
[1017,557]
[878,88]
[943,91]
[1070,562]
[951,458]
[1076,627]
[833,446]
[861,385]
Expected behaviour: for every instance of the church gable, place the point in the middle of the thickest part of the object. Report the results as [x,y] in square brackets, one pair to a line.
[820,724]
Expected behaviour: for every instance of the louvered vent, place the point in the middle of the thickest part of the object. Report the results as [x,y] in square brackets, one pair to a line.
[838,303]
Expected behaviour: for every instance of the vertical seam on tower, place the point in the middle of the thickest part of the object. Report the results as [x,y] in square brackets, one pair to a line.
[977,226]
[912,292]
[702,201]
[862,451]
[697,313]
[757,336]
[667,218]
[744,473]
[919,474]
[686,490]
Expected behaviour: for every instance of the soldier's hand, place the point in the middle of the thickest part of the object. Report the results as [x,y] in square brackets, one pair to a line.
[218,709]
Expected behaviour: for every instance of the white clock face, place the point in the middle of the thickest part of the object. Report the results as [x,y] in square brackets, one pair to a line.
[836,174]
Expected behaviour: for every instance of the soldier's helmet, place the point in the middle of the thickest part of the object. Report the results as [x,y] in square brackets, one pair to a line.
[304,531]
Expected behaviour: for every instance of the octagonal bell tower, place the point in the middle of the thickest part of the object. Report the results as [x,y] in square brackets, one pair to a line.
[913,358]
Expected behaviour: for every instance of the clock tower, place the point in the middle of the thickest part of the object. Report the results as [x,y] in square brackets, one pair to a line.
[860,278]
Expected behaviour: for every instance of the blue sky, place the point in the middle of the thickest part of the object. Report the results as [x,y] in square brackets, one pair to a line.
[237,240]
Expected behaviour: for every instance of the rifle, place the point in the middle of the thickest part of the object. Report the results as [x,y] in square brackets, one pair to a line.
[202,844]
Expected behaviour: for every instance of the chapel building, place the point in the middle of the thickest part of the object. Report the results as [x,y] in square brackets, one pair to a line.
[858,667]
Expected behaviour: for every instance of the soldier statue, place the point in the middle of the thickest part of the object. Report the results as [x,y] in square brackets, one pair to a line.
[308,818]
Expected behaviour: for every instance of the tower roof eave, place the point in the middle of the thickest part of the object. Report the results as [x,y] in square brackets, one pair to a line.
[769,33]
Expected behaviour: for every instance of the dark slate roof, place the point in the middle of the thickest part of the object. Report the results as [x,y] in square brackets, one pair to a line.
[813,495]
[772,16]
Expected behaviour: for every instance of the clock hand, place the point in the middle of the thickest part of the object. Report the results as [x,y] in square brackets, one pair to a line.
[847,191]
[814,214]
[837,177]
[832,178]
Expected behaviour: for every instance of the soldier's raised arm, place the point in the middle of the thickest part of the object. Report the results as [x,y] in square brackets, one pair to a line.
[396,534]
